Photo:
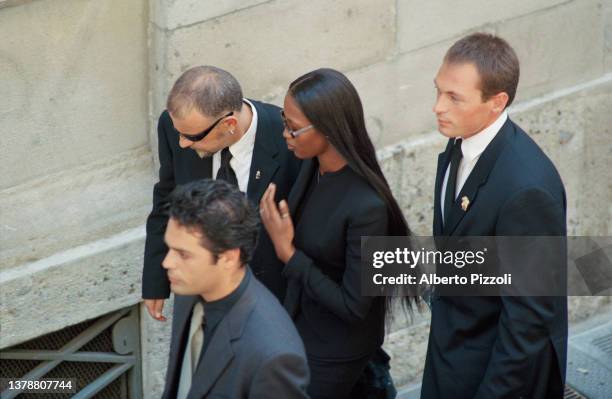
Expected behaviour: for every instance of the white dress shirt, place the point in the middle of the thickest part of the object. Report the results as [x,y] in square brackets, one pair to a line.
[242,153]
[472,148]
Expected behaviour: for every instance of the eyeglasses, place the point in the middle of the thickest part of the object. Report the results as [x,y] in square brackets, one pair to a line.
[200,136]
[294,133]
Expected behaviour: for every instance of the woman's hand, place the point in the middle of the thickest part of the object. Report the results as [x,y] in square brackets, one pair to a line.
[278,223]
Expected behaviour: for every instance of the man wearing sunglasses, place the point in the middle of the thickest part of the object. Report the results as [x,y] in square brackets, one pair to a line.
[210,131]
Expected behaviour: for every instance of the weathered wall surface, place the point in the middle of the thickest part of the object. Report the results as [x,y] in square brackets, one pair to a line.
[73,114]
[390,49]
[82,83]
[76,164]
[75,92]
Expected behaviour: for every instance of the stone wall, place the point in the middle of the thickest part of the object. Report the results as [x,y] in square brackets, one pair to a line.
[75,154]
[390,49]
[76,163]
[84,81]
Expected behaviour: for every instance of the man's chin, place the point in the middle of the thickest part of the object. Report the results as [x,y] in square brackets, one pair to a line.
[203,154]
[178,291]
[447,132]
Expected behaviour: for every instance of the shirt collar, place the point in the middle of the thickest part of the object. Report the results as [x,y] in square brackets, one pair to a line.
[244,146]
[475,145]
[215,311]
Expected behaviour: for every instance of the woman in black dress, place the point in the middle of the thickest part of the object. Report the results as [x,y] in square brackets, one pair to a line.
[340,195]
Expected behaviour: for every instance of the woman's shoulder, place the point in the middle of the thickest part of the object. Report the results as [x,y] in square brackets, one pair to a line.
[362,195]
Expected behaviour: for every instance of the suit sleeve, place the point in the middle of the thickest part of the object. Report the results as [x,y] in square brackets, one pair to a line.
[523,326]
[281,376]
[345,299]
[155,284]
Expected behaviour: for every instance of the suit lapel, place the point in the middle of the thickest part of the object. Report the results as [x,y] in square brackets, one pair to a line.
[220,352]
[443,160]
[264,163]
[477,178]
[217,357]
[301,183]
[294,287]
[182,314]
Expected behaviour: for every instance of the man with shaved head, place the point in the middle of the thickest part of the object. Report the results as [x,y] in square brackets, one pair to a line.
[209,130]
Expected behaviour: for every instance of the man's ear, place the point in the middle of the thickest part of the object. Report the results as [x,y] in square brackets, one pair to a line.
[231,121]
[499,102]
[230,258]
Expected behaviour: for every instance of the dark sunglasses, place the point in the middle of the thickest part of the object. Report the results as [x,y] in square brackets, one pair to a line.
[293,133]
[200,136]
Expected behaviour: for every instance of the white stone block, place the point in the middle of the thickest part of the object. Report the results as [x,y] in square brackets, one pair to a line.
[423,23]
[399,95]
[408,348]
[70,287]
[607,10]
[155,343]
[268,46]
[173,14]
[76,206]
[410,168]
[557,48]
[74,84]
[575,132]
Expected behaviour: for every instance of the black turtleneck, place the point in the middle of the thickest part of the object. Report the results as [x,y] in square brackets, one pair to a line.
[215,311]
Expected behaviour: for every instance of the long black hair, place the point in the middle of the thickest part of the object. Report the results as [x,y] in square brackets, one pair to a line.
[331,103]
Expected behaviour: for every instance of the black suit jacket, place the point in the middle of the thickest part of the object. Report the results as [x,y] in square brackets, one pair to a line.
[255,351]
[324,275]
[271,162]
[508,346]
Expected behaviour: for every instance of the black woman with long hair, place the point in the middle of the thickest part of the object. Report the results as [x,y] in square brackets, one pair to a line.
[340,195]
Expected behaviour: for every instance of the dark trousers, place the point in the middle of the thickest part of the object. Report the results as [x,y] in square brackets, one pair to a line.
[334,379]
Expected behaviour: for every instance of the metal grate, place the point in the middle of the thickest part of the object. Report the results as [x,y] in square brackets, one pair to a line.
[589,368]
[571,393]
[97,357]
[56,339]
[604,343]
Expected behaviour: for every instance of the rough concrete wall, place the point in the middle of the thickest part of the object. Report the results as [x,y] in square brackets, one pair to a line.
[390,49]
[75,93]
[559,44]
[75,160]
[607,9]
[75,157]
[71,286]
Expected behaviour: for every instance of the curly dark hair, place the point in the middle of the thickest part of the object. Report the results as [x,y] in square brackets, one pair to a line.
[220,212]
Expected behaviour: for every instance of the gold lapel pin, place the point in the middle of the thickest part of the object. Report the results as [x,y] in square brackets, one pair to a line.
[465,202]
[258,175]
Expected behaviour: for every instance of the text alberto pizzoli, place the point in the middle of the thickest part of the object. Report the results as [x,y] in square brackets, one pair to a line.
[410,258]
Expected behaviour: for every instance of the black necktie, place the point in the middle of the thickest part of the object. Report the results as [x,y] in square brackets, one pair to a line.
[449,196]
[225,171]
